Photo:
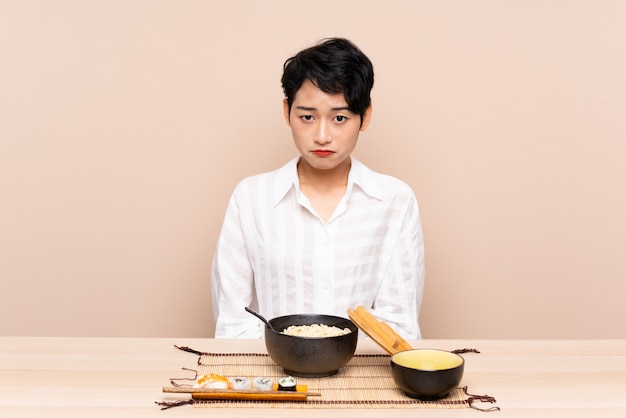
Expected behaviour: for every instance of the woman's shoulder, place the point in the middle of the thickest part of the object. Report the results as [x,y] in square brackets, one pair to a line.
[380,183]
[268,179]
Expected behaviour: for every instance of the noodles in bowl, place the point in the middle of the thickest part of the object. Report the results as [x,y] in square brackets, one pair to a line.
[315,331]
[319,348]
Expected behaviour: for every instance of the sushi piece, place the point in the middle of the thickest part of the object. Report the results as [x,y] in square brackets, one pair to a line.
[213,381]
[240,383]
[264,383]
[287,384]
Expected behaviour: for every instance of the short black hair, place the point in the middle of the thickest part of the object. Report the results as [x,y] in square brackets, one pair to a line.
[335,65]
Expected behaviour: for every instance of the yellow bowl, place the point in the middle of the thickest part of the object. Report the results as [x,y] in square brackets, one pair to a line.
[427,374]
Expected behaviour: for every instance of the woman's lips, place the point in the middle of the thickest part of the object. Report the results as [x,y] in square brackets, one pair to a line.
[322,153]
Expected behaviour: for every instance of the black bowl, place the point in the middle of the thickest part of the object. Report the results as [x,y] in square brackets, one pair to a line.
[307,356]
[427,374]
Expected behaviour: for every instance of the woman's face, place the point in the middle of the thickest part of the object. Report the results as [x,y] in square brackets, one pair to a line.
[324,130]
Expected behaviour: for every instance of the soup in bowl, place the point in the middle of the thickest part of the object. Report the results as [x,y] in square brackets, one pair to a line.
[427,374]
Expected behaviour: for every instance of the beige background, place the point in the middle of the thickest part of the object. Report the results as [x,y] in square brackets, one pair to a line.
[125,125]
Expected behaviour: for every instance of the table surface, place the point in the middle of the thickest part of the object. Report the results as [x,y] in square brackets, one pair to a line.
[94,377]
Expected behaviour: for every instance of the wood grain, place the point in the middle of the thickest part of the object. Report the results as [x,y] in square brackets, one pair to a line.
[379,331]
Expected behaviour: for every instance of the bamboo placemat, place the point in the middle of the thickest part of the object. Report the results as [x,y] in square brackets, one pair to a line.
[365,382]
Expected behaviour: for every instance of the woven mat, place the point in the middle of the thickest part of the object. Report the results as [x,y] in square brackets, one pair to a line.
[365,382]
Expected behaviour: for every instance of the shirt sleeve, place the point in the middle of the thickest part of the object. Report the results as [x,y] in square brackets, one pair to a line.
[399,297]
[232,280]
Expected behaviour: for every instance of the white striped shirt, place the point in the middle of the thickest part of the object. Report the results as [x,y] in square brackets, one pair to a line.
[276,255]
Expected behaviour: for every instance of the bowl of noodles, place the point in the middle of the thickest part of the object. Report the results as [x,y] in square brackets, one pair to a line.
[311,345]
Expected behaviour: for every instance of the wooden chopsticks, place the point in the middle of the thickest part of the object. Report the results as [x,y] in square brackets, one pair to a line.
[270,395]
[379,331]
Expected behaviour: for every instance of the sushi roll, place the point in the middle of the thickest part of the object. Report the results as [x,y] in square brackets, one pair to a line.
[287,384]
[264,383]
[240,383]
[213,381]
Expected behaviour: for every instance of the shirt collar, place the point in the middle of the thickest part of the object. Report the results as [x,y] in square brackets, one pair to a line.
[360,175]
[366,179]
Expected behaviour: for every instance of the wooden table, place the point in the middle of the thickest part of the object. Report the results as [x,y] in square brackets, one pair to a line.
[123,377]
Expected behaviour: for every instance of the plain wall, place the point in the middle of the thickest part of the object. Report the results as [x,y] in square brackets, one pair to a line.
[125,125]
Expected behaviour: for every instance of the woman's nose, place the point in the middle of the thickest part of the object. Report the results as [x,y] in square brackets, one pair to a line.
[322,135]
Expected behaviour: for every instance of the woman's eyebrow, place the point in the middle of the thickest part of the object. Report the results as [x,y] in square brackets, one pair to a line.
[311,109]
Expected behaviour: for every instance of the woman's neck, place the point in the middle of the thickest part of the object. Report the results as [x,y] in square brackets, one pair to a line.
[324,179]
[324,188]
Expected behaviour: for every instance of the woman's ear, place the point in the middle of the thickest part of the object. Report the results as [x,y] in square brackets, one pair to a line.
[286,111]
[367,117]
